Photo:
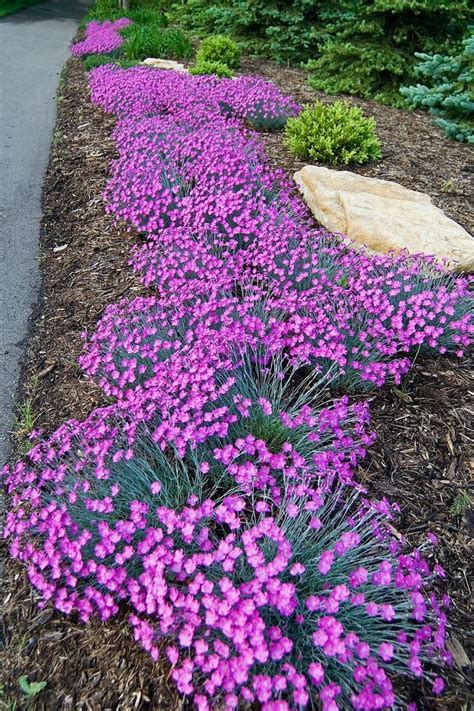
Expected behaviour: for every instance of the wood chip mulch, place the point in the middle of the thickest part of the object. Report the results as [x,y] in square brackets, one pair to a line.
[84,264]
[422,460]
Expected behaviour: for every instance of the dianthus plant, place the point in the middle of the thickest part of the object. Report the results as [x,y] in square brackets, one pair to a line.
[259,580]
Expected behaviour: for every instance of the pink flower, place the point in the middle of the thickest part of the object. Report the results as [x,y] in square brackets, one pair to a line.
[316,672]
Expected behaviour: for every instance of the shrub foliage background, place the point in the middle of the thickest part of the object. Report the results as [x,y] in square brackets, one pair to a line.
[447,91]
[372,48]
[360,47]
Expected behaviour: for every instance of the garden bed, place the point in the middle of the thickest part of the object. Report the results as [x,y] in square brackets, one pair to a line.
[416,154]
[419,460]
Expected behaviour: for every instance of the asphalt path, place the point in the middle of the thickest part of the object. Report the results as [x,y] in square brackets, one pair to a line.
[33,48]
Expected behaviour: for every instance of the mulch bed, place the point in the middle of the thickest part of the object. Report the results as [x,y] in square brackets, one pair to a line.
[421,459]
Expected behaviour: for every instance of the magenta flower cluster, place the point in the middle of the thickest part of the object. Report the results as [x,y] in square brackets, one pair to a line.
[258,579]
[217,496]
[215,214]
[100,38]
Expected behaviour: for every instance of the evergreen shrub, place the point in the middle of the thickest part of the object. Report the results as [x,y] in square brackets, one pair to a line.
[448,91]
[372,44]
[335,134]
[219,48]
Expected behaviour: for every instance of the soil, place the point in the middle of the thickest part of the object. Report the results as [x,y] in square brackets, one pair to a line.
[421,459]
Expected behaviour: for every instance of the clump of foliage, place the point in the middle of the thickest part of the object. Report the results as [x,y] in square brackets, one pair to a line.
[290,31]
[98,60]
[105,10]
[219,48]
[149,40]
[372,45]
[148,16]
[7,7]
[219,69]
[335,134]
[447,93]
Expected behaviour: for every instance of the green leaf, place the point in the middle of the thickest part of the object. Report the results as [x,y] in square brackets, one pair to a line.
[32,688]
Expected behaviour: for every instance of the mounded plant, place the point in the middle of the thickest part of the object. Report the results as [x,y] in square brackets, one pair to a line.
[147,16]
[447,92]
[336,134]
[219,48]
[210,67]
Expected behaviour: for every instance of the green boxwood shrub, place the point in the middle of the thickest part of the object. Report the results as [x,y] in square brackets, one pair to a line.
[207,67]
[150,13]
[448,91]
[335,134]
[219,48]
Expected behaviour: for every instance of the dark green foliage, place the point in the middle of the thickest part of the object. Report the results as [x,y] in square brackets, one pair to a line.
[7,7]
[371,51]
[105,10]
[288,30]
[218,48]
[149,4]
[448,92]
[207,67]
[149,40]
[140,11]
[335,134]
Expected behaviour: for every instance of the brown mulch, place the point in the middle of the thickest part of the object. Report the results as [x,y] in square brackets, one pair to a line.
[421,460]
[416,153]
[84,264]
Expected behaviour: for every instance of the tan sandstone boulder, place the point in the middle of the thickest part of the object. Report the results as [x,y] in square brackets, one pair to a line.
[164,64]
[383,215]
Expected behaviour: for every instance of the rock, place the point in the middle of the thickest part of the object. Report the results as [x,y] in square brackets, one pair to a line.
[164,64]
[384,216]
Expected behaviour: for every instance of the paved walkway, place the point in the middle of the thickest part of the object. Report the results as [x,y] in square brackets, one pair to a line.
[33,48]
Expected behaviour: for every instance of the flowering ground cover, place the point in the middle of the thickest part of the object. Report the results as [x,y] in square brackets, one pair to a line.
[100,38]
[221,421]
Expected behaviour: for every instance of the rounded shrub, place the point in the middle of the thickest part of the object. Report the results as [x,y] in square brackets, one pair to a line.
[219,48]
[335,134]
[219,69]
